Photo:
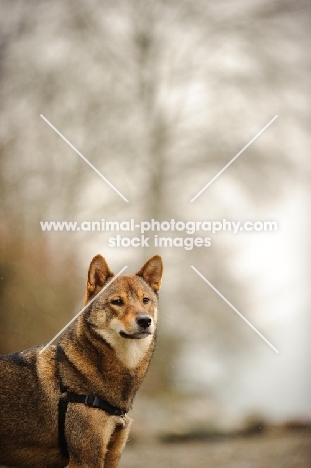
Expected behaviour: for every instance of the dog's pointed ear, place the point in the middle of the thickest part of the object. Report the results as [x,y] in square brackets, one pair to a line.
[152,271]
[99,273]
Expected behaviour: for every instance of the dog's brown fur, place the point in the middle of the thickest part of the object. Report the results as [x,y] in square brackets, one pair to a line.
[105,352]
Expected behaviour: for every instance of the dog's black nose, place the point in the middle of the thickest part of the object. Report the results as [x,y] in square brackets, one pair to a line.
[144,321]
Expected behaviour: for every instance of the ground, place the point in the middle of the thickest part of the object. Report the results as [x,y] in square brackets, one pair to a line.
[291,450]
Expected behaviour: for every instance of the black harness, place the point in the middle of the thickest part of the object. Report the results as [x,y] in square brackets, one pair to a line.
[89,400]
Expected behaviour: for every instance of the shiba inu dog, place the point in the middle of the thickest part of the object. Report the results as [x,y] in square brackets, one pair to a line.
[68,405]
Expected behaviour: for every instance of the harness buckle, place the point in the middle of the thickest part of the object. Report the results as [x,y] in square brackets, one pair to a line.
[91,400]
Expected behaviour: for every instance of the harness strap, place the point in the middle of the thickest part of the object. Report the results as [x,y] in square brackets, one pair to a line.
[89,400]
[95,402]
[62,410]
[70,397]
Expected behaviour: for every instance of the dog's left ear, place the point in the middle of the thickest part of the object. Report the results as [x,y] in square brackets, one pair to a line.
[152,271]
[99,273]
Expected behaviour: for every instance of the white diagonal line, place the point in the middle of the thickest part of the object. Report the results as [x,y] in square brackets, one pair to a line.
[83,309]
[233,159]
[235,310]
[83,157]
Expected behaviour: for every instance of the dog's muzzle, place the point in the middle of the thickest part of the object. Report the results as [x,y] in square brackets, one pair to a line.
[144,328]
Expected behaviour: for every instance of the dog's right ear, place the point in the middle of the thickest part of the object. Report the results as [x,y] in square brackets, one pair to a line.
[98,275]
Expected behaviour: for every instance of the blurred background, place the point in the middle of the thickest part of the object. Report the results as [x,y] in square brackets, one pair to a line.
[160,96]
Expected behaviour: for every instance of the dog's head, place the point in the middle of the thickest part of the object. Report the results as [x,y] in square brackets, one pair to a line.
[127,307]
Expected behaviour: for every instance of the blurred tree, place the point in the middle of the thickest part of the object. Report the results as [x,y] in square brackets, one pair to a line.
[150,92]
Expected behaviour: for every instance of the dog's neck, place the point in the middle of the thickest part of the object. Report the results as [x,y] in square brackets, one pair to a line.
[129,352]
[112,367]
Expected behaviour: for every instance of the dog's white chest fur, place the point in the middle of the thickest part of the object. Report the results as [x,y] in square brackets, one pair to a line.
[129,352]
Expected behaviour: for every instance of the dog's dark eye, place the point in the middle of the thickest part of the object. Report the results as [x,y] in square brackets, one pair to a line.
[146,300]
[118,302]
